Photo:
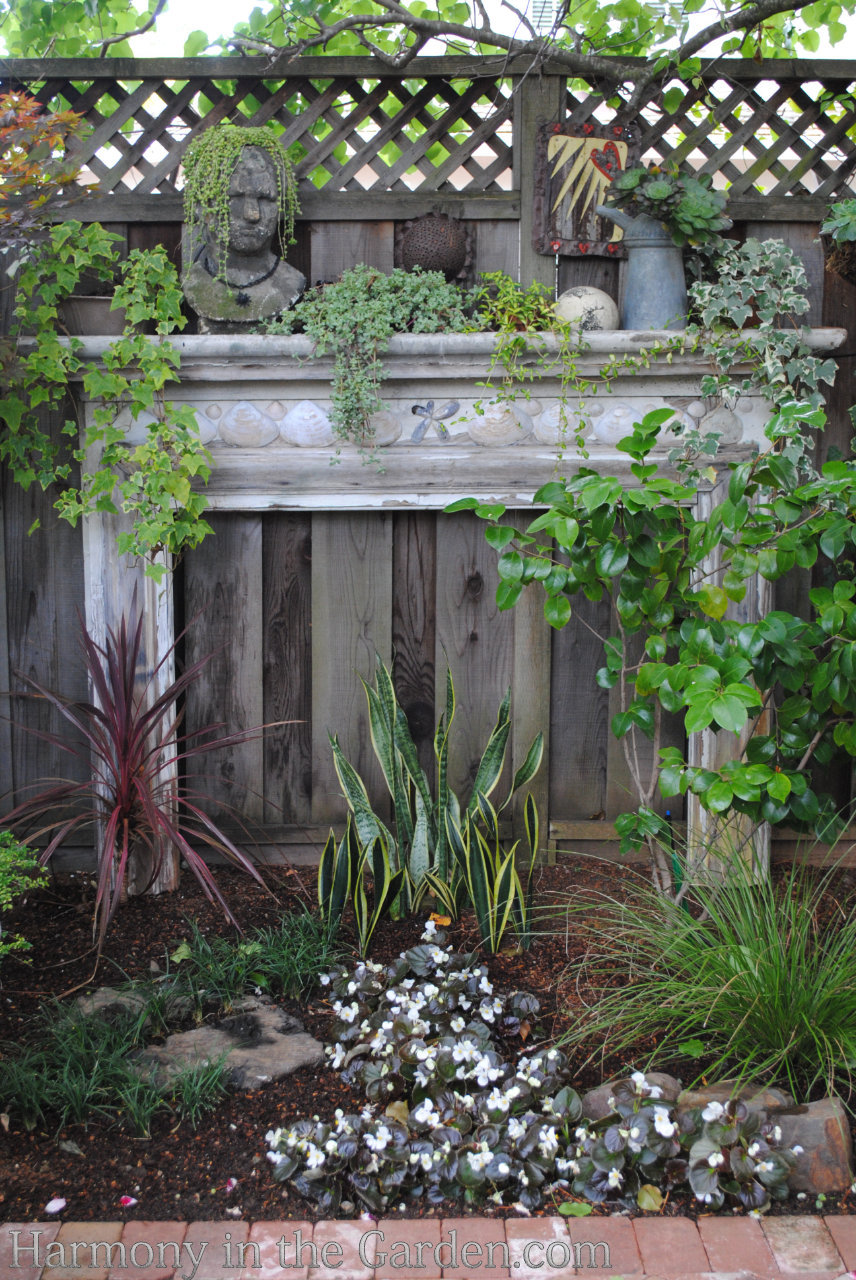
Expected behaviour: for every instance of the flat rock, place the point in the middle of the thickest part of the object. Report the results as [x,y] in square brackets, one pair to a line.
[260,1045]
[822,1130]
[763,1100]
[107,1001]
[595,1102]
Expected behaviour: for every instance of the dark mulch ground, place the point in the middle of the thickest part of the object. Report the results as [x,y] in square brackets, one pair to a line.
[182,1173]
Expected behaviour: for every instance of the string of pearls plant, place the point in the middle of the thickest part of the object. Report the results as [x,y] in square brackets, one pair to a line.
[208,166]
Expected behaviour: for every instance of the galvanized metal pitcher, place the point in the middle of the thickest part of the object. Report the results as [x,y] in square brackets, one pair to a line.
[655,294]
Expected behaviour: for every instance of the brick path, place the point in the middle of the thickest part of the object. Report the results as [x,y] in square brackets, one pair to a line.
[803,1248]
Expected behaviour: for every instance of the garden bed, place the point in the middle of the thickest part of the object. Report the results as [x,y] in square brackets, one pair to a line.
[186,1174]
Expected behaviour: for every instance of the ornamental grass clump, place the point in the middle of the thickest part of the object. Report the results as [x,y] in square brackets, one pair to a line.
[458,1112]
[762,984]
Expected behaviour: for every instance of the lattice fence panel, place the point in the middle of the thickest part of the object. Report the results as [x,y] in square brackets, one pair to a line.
[346,133]
[757,136]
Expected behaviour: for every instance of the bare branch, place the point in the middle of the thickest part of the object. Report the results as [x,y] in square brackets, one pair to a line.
[521,18]
[126,35]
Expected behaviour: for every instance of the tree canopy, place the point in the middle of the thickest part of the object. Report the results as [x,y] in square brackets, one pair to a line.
[74,28]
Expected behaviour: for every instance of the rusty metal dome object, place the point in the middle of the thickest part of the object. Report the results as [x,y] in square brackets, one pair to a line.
[435,242]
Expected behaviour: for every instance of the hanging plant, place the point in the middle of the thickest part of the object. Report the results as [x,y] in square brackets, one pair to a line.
[209,163]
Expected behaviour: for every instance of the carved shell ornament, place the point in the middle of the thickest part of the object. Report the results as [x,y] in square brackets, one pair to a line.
[307,426]
[385,428]
[499,425]
[560,424]
[612,422]
[247,426]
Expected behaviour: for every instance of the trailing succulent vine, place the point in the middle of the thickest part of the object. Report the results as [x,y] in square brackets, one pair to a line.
[209,163]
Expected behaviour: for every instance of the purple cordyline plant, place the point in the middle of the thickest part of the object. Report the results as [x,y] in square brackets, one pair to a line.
[132,751]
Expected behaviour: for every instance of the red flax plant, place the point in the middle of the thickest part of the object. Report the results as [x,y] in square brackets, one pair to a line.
[132,752]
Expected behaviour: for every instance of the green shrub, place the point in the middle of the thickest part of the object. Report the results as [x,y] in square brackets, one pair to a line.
[19,871]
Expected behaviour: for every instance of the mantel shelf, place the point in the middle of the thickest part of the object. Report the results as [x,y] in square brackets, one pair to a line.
[448,427]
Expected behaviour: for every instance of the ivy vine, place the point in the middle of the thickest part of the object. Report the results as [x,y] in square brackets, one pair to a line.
[209,163]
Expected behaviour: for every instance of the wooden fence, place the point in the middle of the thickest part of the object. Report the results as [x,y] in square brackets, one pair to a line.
[286,597]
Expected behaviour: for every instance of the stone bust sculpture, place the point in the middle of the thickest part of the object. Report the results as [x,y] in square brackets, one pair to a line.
[236,277]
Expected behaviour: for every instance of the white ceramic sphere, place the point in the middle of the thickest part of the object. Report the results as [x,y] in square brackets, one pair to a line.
[589,308]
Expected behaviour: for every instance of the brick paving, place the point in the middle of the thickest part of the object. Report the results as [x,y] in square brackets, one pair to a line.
[715,1248]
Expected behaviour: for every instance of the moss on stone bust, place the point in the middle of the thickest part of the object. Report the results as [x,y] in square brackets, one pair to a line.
[209,163]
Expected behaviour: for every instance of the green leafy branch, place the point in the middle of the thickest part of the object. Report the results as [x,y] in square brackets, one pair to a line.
[672,578]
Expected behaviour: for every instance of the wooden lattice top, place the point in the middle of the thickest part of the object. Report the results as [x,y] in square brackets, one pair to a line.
[354,128]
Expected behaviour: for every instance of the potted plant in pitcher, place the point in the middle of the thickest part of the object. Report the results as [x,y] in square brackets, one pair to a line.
[662,212]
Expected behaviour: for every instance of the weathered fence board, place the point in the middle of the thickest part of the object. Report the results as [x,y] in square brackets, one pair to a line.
[351,622]
[579,715]
[474,640]
[414,631]
[44,597]
[287,633]
[223,609]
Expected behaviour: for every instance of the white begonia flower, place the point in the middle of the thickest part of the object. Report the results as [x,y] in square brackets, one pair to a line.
[640,1084]
[548,1143]
[755,1213]
[429,930]
[314,1157]
[497,1100]
[486,1074]
[798,1150]
[458,1023]
[486,985]
[516,1128]
[764,1166]
[753,1149]
[429,991]
[331,1146]
[486,1010]
[337,1056]
[581,1134]
[664,1126]
[325,979]
[438,955]
[479,1159]
[713,1111]
[610,1102]
[379,1140]
[427,1162]
[615,1178]
[465,1051]
[654,1092]
[716,1159]
[353,988]
[425,1113]
[503,1169]
[349,1012]
[777,1133]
